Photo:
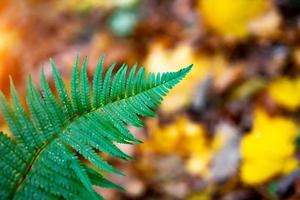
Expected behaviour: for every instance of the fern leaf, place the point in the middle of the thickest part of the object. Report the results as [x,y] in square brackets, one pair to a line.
[43,162]
[40,115]
[107,85]
[130,79]
[12,165]
[97,83]
[85,87]
[62,93]
[75,89]
[99,180]
[89,135]
[51,104]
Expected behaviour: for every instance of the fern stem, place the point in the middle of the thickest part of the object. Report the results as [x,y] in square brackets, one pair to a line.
[36,156]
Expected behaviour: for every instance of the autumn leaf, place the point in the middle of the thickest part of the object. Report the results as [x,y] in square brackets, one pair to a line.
[268,149]
[231,18]
[286,92]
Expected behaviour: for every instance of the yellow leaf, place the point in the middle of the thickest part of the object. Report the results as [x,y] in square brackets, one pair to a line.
[268,149]
[259,170]
[286,92]
[182,137]
[231,18]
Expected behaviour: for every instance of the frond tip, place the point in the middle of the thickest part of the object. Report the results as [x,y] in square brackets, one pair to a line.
[42,161]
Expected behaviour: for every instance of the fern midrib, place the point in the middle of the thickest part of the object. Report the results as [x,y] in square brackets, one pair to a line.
[55,136]
[32,163]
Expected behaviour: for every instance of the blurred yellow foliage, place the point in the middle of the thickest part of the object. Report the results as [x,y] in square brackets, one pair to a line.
[268,149]
[185,138]
[161,59]
[8,38]
[181,137]
[198,164]
[286,92]
[231,18]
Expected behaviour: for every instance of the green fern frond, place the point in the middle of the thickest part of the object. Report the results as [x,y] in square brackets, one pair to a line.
[42,160]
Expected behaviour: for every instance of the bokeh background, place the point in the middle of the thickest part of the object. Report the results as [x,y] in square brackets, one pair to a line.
[229,131]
